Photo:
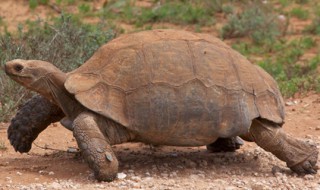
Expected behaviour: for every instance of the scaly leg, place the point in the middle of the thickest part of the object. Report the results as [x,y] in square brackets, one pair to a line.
[225,144]
[32,118]
[300,156]
[95,147]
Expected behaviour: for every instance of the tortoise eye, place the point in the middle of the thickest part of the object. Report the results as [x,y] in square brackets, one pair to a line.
[18,67]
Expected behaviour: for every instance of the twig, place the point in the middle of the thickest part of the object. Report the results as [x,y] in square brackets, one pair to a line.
[48,148]
[55,8]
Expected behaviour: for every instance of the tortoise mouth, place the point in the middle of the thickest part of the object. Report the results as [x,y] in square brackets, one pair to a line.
[16,76]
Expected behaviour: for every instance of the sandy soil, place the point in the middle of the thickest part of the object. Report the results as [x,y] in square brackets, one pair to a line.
[146,167]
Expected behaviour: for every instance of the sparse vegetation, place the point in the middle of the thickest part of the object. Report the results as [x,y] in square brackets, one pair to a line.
[34,3]
[3,146]
[177,12]
[300,13]
[292,74]
[314,28]
[255,21]
[67,43]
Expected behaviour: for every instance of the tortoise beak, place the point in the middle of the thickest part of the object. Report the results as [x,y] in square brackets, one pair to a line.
[13,68]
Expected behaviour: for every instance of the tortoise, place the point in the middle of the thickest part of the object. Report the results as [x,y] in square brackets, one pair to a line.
[161,87]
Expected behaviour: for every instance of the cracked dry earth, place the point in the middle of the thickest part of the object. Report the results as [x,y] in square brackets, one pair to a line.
[146,167]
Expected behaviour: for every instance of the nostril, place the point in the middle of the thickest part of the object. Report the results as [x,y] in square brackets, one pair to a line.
[18,67]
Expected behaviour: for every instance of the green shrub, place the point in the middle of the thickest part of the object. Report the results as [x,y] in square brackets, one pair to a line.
[3,146]
[314,28]
[84,8]
[256,21]
[302,1]
[67,43]
[300,13]
[178,12]
[291,75]
[284,3]
[33,4]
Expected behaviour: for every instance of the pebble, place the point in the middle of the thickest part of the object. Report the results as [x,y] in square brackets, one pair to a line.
[308,177]
[121,175]
[194,177]
[260,186]
[291,103]
[164,175]
[308,136]
[51,173]
[55,185]
[190,163]
[276,169]
[136,178]
[19,173]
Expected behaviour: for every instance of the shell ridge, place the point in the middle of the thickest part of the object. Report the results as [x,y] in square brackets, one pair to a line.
[192,58]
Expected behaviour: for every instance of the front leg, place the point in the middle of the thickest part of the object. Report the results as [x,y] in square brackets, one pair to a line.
[94,146]
[225,144]
[32,118]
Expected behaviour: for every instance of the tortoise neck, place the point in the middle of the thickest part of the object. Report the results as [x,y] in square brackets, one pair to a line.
[59,94]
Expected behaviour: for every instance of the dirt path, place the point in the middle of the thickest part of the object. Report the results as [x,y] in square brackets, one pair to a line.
[146,167]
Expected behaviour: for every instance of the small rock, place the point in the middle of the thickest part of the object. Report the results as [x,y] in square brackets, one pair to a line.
[8,179]
[73,150]
[317,128]
[291,103]
[190,163]
[121,175]
[308,177]
[231,188]
[136,185]
[174,154]
[308,136]
[99,186]
[42,172]
[194,177]
[276,170]
[282,18]
[259,186]
[51,173]
[173,174]
[19,173]
[164,174]
[55,185]
[148,179]
[136,178]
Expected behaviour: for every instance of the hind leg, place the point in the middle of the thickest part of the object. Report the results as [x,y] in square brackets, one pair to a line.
[225,145]
[300,156]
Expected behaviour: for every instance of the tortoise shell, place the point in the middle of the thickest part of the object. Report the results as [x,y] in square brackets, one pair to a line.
[164,84]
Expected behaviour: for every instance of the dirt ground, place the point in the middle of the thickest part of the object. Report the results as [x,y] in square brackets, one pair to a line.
[146,167]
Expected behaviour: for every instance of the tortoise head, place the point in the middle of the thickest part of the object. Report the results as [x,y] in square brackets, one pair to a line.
[39,76]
